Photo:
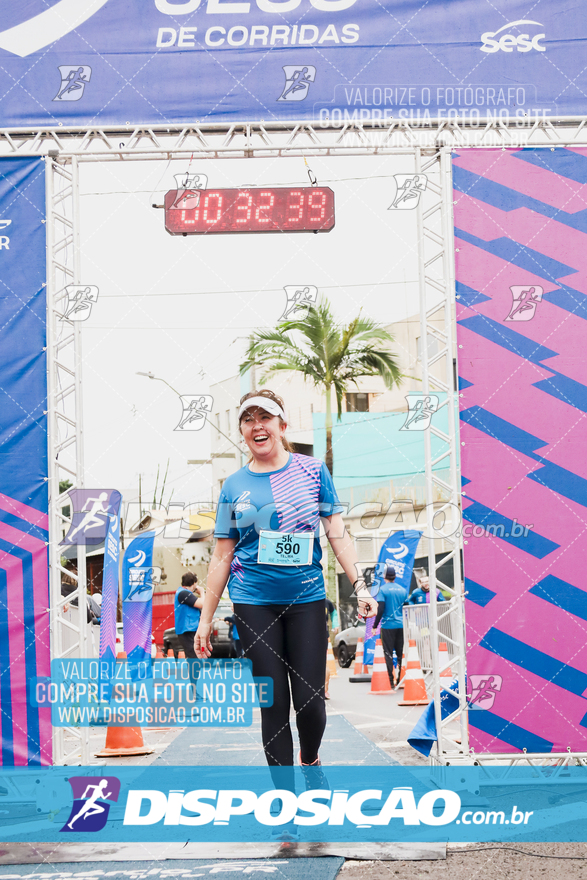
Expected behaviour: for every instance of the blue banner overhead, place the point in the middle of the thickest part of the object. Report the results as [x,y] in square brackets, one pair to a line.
[110,62]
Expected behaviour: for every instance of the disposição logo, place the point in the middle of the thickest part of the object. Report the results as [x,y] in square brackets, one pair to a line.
[90,802]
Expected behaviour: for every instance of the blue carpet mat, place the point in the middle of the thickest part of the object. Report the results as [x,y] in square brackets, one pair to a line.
[325,868]
[342,744]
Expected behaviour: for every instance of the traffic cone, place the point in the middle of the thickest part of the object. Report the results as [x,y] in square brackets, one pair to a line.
[331,662]
[414,687]
[181,654]
[380,683]
[403,672]
[123,741]
[358,670]
[442,659]
[159,654]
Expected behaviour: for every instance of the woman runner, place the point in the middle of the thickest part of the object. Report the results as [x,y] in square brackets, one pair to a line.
[268,549]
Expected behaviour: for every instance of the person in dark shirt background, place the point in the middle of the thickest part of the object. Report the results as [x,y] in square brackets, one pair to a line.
[233,635]
[188,602]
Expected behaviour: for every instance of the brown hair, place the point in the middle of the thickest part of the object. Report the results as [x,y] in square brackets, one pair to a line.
[271,395]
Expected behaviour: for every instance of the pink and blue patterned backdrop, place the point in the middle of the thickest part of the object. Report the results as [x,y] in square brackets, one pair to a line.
[25,730]
[521,286]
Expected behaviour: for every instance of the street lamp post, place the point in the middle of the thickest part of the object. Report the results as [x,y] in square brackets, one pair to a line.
[159,379]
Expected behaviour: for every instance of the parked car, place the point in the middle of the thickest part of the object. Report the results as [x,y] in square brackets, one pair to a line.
[120,641]
[345,644]
[220,638]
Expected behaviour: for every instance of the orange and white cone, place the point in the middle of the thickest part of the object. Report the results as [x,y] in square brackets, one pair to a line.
[414,686]
[359,668]
[331,662]
[442,660]
[123,741]
[380,683]
[181,654]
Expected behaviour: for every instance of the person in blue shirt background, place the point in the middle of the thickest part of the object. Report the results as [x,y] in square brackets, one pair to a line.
[422,593]
[268,550]
[390,601]
[187,609]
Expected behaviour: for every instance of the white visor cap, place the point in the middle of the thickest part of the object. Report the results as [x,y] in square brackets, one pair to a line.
[263,403]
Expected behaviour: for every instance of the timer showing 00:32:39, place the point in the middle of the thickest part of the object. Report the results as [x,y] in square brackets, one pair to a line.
[270,209]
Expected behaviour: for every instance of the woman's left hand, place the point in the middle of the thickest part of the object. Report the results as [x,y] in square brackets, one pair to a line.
[367,607]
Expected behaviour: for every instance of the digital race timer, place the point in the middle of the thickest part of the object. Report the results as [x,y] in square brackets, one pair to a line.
[282,209]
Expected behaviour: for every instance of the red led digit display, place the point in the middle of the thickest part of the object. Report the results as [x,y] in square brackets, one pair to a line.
[295,209]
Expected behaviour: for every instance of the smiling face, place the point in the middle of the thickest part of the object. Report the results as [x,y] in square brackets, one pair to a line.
[262,432]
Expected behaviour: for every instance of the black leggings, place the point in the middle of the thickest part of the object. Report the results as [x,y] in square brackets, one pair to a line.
[288,644]
[392,639]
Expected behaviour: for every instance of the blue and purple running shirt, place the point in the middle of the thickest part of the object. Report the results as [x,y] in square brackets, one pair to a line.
[289,500]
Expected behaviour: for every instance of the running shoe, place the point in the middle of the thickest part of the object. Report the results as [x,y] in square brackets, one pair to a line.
[313,774]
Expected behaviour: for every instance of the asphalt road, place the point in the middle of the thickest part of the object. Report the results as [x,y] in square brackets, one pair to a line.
[377,717]
[547,861]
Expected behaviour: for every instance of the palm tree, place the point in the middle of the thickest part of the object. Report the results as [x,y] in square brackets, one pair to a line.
[326,353]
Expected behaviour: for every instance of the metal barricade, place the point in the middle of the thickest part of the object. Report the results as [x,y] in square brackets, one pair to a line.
[416,626]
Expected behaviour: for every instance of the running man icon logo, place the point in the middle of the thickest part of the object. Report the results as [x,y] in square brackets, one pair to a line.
[421,408]
[409,188]
[525,299]
[195,409]
[484,689]
[74,79]
[80,299]
[90,802]
[92,511]
[188,187]
[141,582]
[299,300]
[297,82]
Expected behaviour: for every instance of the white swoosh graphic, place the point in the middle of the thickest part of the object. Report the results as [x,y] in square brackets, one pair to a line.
[36,33]
[399,552]
[139,558]
[516,23]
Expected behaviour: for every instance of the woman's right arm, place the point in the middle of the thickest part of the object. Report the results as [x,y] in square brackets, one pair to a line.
[218,574]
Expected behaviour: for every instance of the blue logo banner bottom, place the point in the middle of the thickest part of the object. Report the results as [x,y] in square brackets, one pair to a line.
[215,804]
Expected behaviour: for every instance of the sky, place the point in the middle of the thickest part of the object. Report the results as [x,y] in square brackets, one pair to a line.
[182,307]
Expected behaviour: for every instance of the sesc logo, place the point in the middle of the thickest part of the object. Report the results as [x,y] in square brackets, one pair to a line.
[507,41]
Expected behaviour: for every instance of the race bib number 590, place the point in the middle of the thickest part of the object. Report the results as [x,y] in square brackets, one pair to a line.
[281,548]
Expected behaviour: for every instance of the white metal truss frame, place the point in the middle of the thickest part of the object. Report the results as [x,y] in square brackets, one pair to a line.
[436,295]
[64,406]
[253,139]
[431,146]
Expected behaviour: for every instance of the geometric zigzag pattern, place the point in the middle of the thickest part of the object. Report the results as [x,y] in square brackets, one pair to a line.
[24,633]
[521,220]
[24,592]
